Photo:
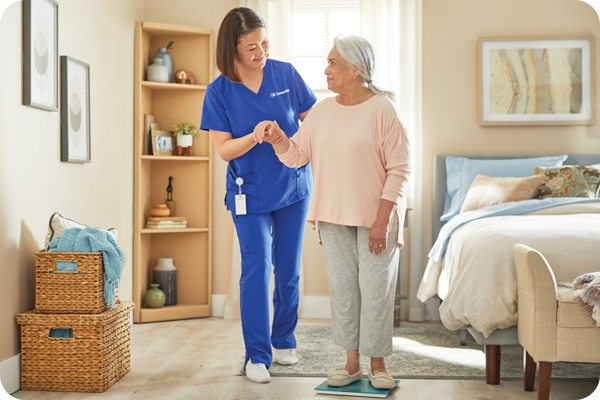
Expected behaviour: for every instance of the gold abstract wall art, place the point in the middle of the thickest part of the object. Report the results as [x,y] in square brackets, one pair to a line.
[535,81]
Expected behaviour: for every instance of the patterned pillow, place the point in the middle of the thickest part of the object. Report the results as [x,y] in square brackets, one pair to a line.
[568,181]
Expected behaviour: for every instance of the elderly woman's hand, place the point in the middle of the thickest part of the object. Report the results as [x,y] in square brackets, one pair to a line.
[273,133]
[378,237]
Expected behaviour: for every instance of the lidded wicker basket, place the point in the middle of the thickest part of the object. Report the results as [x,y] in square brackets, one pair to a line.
[91,357]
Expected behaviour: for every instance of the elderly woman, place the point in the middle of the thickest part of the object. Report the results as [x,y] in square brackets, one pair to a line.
[360,160]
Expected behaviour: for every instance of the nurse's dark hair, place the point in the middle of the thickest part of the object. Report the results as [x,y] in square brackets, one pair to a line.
[237,23]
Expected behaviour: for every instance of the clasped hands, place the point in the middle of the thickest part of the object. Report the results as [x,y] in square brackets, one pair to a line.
[268,131]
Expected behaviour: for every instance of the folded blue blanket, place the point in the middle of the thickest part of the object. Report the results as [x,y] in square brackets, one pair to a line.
[514,208]
[90,239]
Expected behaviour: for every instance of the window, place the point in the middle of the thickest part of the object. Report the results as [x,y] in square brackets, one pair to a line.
[314,25]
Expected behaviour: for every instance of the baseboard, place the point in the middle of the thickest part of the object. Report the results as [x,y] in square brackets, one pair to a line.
[10,374]
[316,307]
[218,300]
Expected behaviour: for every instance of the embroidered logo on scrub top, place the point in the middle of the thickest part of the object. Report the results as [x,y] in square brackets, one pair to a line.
[275,94]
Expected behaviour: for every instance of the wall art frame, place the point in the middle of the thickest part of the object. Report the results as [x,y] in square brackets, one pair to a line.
[536,81]
[75,110]
[40,54]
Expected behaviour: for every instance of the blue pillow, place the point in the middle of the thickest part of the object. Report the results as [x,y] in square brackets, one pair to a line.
[461,171]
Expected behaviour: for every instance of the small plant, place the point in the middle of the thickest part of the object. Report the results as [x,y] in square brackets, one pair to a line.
[170,45]
[184,129]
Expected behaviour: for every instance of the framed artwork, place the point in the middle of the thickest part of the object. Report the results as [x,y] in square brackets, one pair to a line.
[40,54]
[536,81]
[75,110]
[163,143]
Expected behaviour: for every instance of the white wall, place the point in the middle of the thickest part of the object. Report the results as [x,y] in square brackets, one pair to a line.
[33,181]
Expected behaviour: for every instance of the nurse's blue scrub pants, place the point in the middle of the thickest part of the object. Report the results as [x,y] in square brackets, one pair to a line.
[260,249]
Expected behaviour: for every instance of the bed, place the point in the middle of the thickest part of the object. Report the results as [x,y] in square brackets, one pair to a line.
[473,270]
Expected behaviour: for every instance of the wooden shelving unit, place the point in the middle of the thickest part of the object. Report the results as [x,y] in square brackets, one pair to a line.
[171,103]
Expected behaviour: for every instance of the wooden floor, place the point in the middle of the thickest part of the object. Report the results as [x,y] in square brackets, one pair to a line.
[199,359]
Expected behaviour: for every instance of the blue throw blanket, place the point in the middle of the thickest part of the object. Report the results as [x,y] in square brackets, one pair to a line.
[90,239]
[514,208]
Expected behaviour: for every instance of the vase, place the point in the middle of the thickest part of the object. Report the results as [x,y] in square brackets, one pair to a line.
[158,72]
[166,60]
[165,275]
[160,211]
[154,297]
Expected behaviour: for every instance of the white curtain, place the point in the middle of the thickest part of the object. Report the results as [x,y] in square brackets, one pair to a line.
[394,28]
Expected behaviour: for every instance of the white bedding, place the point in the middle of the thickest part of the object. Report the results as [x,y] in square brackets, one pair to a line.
[477,279]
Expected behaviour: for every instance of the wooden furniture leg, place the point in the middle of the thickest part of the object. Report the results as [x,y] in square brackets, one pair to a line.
[463,337]
[544,376]
[530,366]
[492,364]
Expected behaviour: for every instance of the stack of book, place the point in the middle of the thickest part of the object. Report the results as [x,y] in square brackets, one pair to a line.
[166,223]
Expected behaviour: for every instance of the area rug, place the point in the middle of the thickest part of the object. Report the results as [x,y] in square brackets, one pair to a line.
[419,353]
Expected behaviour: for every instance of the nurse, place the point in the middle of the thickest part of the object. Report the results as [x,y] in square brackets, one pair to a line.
[268,201]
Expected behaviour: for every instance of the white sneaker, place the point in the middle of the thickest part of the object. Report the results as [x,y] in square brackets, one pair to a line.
[286,356]
[257,372]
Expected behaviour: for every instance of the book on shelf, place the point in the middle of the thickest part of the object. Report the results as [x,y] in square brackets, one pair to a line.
[362,388]
[173,226]
[167,219]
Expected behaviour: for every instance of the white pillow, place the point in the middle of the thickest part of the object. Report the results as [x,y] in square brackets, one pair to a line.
[58,224]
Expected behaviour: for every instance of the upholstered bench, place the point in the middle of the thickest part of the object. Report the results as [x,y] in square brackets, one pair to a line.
[552,327]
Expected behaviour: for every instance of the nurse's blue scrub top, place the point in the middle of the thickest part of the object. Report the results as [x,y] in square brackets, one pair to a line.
[232,107]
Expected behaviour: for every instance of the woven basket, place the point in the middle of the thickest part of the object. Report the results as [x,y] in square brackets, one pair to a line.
[69,292]
[96,357]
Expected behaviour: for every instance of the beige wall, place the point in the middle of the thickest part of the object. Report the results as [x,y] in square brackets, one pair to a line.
[450,33]
[33,181]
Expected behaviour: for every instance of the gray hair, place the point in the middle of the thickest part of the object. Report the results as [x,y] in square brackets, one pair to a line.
[360,55]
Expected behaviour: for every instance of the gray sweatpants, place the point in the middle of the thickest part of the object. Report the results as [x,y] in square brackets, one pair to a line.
[361,287]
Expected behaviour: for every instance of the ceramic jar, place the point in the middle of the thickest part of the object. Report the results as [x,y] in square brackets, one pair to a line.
[165,275]
[158,72]
[154,297]
[160,211]
[166,61]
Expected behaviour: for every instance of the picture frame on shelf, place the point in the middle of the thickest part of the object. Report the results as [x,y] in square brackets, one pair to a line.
[163,143]
[40,54]
[75,110]
[536,81]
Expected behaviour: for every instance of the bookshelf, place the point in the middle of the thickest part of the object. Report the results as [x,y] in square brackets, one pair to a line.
[171,103]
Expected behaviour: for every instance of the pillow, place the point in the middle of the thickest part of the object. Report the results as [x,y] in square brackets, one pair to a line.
[488,191]
[461,171]
[568,181]
[58,224]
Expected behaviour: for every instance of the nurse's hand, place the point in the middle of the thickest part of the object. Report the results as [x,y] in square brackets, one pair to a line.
[259,131]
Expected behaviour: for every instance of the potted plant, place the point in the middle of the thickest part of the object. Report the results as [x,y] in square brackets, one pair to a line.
[184,133]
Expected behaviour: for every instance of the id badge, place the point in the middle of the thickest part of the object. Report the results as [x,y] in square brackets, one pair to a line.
[240,204]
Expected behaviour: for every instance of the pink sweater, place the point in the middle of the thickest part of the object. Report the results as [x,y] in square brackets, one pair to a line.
[359,155]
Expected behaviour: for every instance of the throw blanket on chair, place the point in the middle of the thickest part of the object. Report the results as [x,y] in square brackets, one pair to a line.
[587,292]
[90,239]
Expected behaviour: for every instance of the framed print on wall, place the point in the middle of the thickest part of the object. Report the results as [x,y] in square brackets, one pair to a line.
[75,110]
[536,81]
[40,54]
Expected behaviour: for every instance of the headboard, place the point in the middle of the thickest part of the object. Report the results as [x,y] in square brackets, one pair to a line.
[439,176]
